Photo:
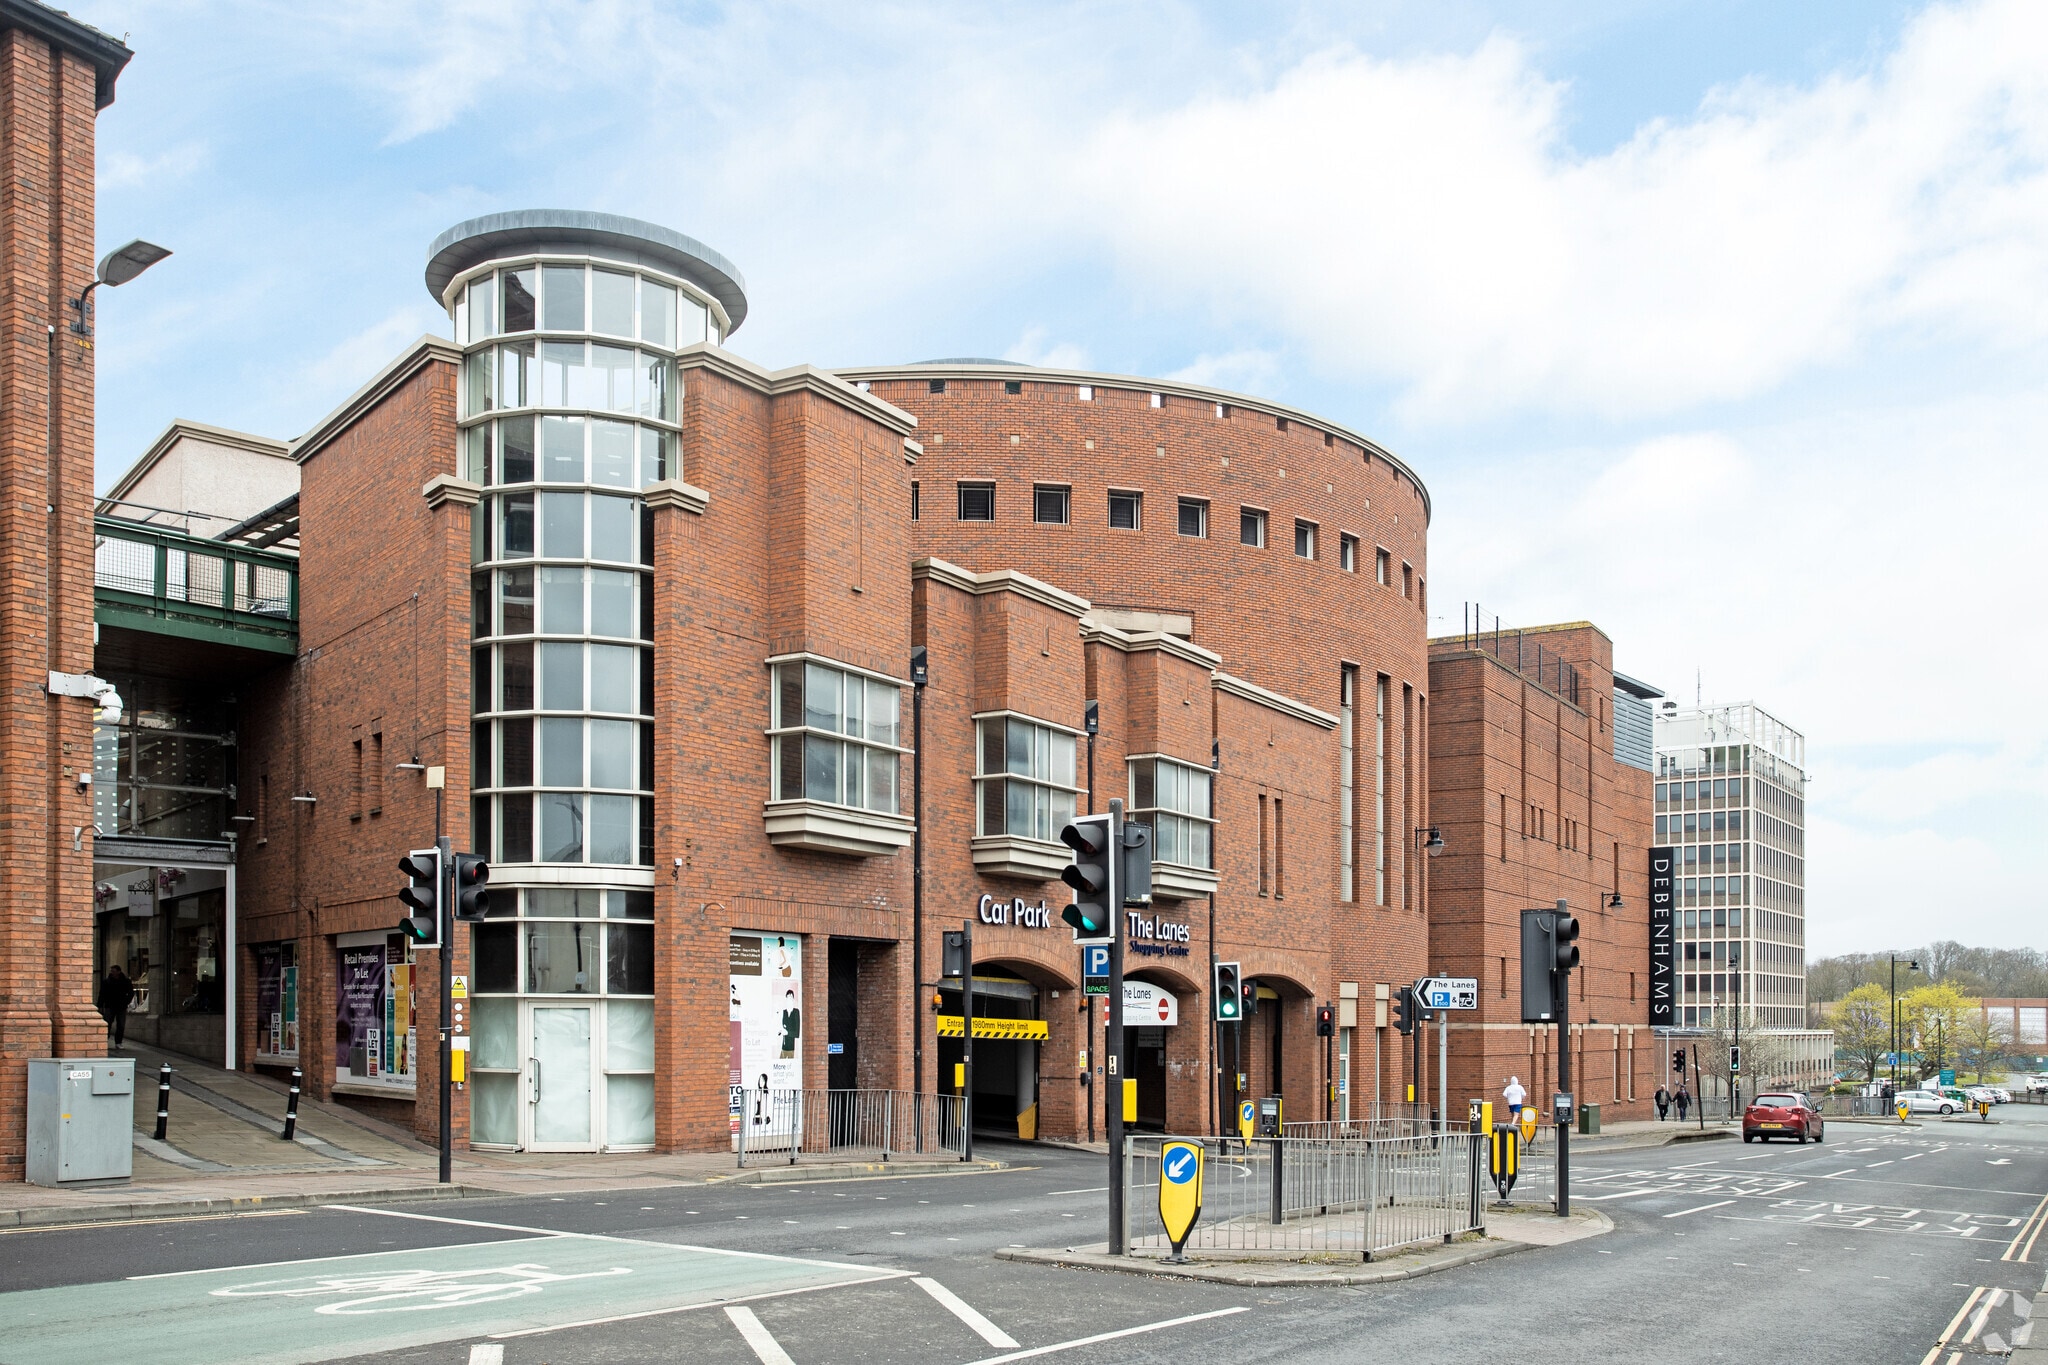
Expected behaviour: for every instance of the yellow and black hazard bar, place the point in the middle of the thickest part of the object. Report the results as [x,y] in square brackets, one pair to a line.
[1018,1030]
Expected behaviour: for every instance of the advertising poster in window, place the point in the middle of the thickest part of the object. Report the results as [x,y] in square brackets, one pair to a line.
[766,1013]
[277,1001]
[375,1029]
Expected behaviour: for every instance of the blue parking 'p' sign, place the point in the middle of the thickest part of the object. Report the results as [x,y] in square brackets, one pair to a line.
[1180,1191]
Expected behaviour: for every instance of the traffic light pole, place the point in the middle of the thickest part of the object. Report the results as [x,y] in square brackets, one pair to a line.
[445,907]
[1563,990]
[967,1038]
[1113,1032]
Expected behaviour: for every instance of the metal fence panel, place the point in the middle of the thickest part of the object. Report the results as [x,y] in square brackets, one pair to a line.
[1355,1196]
[788,1126]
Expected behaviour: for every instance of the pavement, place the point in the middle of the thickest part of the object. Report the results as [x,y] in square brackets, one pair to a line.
[224,1152]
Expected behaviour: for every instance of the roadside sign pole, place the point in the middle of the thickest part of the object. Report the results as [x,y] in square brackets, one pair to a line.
[1443,1071]
[1113,1032]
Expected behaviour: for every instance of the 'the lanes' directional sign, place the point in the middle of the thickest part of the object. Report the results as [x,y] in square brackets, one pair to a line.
[1448,992]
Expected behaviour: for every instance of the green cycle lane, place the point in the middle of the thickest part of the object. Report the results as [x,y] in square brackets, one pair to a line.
[320,1309]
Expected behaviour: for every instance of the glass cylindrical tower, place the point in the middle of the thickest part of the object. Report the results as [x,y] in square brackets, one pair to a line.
[569,325]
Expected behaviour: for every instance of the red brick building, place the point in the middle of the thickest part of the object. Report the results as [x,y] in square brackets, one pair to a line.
[1541,797]
[56,74]
[634,618]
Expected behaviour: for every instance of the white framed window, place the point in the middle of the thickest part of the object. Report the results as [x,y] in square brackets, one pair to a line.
[835,736]
[1173,798]
[1251,527]
[977,502]
[1194,518]
[1347,551]
[1050,504]
[1126,509]
[1025,771]
[1305,539]
[1382,561]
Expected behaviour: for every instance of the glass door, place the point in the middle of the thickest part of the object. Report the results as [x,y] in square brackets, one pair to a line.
[561,1090]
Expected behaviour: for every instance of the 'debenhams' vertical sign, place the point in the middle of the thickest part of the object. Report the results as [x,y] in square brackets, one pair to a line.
[1662,952]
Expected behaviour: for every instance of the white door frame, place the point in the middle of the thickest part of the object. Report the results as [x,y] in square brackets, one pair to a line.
[530,1077]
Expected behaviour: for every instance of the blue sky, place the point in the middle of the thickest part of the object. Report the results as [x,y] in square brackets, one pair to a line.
[1717,324]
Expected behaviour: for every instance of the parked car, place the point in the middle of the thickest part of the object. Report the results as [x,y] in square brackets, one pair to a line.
[1784,1113]
[2037,1085]
[1999,1094]
[1926,1102]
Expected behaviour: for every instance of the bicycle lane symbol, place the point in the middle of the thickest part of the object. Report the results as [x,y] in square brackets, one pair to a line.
[402,1291]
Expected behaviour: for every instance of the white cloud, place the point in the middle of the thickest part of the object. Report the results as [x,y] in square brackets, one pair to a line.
[120,169]
[1424,220]
[1034,348]
[350,363]
[1249,370]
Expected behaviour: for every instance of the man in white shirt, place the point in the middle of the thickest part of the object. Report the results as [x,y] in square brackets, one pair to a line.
[1514,1094]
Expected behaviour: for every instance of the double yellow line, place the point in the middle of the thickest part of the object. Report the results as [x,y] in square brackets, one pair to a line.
[1983,1301]
[2029,1233]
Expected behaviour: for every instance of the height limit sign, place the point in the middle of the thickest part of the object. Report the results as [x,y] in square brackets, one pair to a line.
[1448,992]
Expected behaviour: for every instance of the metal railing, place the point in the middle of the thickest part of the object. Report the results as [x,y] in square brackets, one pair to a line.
[1525,656]
[1361,1196]
[158,579]
[789,1126]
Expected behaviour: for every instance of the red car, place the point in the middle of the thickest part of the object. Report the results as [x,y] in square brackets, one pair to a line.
[1781,1114]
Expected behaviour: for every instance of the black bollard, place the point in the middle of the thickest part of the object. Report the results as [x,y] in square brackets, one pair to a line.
[291,1107]
[163,1101]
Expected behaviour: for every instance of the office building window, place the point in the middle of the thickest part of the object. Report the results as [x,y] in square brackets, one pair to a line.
[1347,552]
[1049,504]
[1305,539]
[835,737]
[1251,527]
[1174,799]
[1380,566]
[1026,775]
[977,502]
[1124,508]
[1194,518]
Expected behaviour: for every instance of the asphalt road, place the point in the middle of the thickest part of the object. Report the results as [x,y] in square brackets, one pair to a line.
[1867,1249]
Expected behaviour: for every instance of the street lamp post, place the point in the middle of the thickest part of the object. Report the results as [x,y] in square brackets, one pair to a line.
[1914,966]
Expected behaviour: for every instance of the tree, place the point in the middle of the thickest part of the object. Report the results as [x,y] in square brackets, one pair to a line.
[1863,1027]
[1981,1041]
[1933,1017]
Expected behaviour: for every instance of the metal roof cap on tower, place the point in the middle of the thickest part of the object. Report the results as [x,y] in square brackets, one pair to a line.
[578,232]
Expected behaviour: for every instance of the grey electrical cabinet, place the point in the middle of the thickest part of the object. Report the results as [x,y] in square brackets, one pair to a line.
[81,1120]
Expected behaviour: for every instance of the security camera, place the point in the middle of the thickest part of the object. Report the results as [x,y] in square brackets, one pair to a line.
[110,706]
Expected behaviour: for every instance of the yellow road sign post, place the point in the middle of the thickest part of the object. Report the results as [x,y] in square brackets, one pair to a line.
[1180,1193]
[1247,1120]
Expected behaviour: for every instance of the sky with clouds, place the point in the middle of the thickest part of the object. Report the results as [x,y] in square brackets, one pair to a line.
[1720,325]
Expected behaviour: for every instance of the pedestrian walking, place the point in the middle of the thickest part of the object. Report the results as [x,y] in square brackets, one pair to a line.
[1683,1101]
[1514,1094]
[116,993]
[1663,1104]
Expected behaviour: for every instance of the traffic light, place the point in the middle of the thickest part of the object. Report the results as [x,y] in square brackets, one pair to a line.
[1326,1021]
[1092,874]
[1136,882]
[1249,994]
[1566,932]
[1227,992]
[1734,1061]
[1678,1061]
[422,896]
[1404,1009]
[472,887]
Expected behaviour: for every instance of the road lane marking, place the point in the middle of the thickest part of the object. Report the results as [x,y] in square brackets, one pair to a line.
[759,1339]
[961,1309]
[1941,1342]
[487,1353]
[1991,1301]
[693,1307]
[1107,1336]
[1625,1194]
[1699,1209]
[1099,1189]
[347,1256]
[2033,1220]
